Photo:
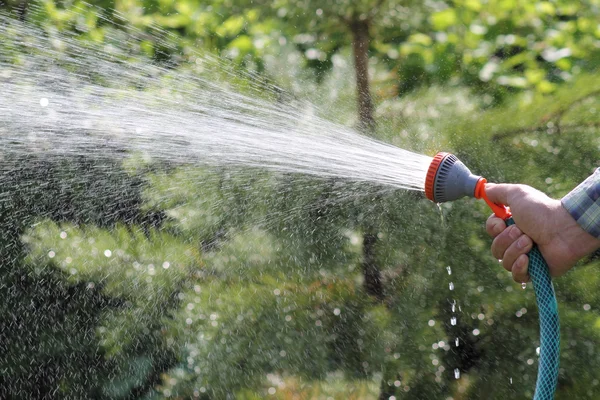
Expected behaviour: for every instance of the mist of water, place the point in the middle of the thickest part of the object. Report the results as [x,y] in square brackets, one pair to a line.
[63,97]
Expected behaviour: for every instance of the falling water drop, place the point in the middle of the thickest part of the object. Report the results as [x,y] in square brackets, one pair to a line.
[456,342]
[523,285]
[442,219]
[454,306]
[510,380]
[456,373]
[451,286]
[449,270]
[453,321]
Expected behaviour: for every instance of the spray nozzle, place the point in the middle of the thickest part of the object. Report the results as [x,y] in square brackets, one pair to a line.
[448,179]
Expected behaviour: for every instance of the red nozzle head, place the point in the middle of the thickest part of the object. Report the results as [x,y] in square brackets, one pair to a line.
[448,179]
[431,174]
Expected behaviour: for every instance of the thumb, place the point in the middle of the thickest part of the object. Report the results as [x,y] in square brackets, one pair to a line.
[499,193]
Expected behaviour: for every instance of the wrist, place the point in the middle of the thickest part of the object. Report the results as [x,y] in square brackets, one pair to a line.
[579,241]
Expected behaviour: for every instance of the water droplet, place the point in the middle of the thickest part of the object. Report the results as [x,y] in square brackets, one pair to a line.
[510,380]
[107,253]
[166,265]
[44,102]
[537,351]
[524,285]
[63,235]
[451,286]
[456,342]
[453,321]
[456,373]
[337,311]
[454,306]
[449,270]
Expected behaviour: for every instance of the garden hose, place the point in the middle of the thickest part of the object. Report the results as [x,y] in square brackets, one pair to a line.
[449,179]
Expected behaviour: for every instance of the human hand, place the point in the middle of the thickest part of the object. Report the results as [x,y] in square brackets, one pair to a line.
[539,219]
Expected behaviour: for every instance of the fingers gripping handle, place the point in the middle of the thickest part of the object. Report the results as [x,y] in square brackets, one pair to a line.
[500,210]
[549,326]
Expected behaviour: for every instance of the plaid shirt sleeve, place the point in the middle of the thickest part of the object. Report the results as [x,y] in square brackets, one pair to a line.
[583,203]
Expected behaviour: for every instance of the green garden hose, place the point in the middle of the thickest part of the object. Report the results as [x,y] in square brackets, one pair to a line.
[449,179]
[549,326]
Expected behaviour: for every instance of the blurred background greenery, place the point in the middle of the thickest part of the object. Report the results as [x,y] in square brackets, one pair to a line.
[171,282]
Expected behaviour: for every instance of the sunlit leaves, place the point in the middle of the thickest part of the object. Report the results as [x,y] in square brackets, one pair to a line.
[442,20]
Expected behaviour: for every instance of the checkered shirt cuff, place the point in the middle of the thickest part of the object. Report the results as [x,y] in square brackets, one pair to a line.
[583,203]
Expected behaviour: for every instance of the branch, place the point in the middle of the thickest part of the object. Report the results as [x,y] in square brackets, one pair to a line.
[542,128]
[558,114]
[555,116]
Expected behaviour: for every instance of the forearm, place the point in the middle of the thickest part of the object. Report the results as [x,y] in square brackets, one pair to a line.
[583,204]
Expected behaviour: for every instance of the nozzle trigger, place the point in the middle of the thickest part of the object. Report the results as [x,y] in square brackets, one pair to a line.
[500,210]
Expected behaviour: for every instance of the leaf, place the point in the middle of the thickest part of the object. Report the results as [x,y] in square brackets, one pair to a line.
[232,26]
[546,87]
[512,81]
[534,75]
[474,5]
[443,19]
[545,7]
[420,38]
[242,43]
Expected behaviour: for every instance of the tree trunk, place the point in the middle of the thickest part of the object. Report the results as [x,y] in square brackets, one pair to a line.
[366,124]
[360,47]
[372,275]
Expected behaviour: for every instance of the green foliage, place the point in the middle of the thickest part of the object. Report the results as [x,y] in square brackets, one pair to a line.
[150,281]
[495,47]
[512,45]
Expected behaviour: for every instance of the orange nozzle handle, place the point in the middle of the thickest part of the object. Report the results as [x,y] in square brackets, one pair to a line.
[500,210]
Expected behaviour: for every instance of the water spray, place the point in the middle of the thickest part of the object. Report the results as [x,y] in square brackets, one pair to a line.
[448,179]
